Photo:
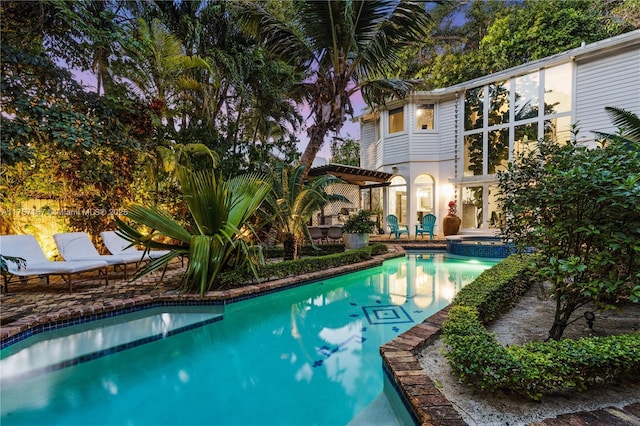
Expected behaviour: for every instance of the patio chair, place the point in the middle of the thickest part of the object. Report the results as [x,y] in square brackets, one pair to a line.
[117,245]
[426,226]
[37,265]
[395,228]
[316,234]
[78,246]
[334,233]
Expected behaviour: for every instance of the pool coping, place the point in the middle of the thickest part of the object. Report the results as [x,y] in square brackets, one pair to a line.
[425,402]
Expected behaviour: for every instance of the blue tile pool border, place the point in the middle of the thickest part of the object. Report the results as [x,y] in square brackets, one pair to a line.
[56,325]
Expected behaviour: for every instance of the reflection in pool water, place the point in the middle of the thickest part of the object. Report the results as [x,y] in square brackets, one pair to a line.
[303,356]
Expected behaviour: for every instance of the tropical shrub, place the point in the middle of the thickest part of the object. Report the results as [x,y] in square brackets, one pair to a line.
[292,202]
[580,208]
[220,210]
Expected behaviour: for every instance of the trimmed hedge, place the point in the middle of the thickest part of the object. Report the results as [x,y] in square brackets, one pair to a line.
[291,268]
[534,369]
[308,250]
[497,289]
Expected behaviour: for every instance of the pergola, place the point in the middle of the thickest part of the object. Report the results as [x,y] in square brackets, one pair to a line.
[354,177]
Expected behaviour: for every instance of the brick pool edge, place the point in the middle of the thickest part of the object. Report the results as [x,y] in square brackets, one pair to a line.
[399,356]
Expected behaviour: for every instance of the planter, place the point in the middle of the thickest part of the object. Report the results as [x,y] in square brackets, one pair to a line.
[451,225]
[355,241]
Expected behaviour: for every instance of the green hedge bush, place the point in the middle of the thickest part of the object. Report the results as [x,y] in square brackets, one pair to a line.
[308,250]
[497,289]
[291,268]
[534,369]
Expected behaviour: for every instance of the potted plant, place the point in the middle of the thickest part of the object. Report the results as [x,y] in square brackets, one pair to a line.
[356,230]
[451,222]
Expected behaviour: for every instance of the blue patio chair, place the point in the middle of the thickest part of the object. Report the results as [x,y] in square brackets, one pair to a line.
[426,227]
[395,228]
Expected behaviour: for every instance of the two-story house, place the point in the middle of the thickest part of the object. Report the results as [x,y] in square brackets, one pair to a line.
[449,144]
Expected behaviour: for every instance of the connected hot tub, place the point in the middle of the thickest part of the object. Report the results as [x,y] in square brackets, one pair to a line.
[483,246]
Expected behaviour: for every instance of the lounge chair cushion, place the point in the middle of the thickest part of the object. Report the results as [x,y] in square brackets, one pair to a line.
[78,246]
[27,247]
[118,246]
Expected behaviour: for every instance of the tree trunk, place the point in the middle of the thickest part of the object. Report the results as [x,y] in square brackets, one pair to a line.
[289,243]
[561,319]
[317,133]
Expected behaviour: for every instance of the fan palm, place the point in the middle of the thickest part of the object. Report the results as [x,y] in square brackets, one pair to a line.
[220,210]
[341,46]
[293,201]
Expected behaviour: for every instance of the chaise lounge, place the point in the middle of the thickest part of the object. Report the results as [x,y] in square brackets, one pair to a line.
[37,265]
[78,246]
[117,245]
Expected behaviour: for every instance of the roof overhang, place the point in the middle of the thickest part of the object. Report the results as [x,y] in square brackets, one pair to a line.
[350,174]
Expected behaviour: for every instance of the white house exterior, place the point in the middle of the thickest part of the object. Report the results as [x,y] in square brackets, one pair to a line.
[448,144]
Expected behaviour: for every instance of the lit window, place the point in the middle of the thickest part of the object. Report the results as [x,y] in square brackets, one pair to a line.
[424,117]
[396,120]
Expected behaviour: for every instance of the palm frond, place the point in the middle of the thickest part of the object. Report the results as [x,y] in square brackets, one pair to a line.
[158,220]
[627,121]
[207,199]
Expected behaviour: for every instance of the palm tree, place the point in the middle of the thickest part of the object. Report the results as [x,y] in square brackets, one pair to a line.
[293,201]
[342,46]
[220,211]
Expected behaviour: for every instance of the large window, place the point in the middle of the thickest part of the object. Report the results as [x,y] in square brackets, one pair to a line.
[396,120]
[502,120]
[425,117]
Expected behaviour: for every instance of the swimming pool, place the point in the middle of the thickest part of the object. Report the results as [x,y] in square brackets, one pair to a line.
[304,356]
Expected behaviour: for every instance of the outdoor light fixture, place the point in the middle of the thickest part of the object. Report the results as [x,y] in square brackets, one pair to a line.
[590,317]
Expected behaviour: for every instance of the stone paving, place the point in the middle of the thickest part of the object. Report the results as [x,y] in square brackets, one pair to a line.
[26,306]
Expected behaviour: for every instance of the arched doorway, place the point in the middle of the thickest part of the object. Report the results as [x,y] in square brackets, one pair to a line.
[398,198]
[425,202]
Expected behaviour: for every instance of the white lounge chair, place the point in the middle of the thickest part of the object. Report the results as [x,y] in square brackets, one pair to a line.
[78,246]
[37,264]
[117,245]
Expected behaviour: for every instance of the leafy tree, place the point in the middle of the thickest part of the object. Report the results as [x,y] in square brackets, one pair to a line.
[345,151]
[580,209]
[341,47]
[627,11]
[293,201]
[231,99]
[498,34]
[57,139]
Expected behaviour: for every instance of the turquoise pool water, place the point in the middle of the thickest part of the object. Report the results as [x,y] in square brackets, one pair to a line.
[307,356]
